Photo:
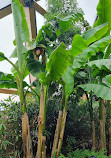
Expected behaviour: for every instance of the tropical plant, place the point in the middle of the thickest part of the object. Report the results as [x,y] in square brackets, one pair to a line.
[86,154]
[61,10]
[54,70]
[101,64]
[21,36]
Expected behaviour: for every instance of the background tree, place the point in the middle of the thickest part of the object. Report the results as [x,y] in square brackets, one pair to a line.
[60,9]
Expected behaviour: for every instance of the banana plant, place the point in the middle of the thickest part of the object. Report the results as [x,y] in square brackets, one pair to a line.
[91,42]
[103,12]
[55,68]
[68,77]
[79,44]
[21,36]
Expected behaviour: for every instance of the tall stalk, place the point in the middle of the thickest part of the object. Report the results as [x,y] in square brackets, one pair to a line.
[62,129]
[40,123]
[41,149]
[89,100]
[109,112]
[22,35]
[58,129]
[102,124]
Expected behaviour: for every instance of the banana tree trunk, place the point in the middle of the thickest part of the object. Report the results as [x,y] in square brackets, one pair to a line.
[93,136]
[27,144]
[57,133]
[109,116]
[102,124]
[40,123]
[62,132]
[110,136]
[26,138]
[92,121]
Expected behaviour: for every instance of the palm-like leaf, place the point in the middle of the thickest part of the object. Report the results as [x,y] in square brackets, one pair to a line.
[91,50]
[57,65]
[21,30]
[101,64]
[95,34]
[68,79]
[99,90]
[104,13]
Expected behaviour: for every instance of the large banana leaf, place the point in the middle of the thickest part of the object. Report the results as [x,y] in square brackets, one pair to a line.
[107,80]
[5,76]
[104,13]
[78,45]
[108,52]
[68,79]
[9,81]
[57,65]
[81,42]
[101,64]
[14,53]
[24,74]
[21,31]
[91,50]
[20,22]
[35,67]
[95,34]
[58,62]
[99,90]
[8,84]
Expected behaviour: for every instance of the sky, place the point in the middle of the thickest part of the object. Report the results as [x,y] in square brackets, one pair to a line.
[7,30]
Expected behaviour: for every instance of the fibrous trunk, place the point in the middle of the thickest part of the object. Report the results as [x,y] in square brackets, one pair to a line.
[102,125]
[57,133]
[61,132]
[27,144]
[89,99]
[26,138]
[40,124]
[109,113]
[93,136]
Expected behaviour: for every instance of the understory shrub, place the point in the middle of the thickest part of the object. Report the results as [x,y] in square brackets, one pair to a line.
[87,154]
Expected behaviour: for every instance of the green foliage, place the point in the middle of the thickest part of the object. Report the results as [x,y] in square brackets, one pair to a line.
[20,21]
[107,53]
[95,34]
[86,154]
[14,53]
[56,66]
[107,80]
[104,13]
[35,67]
[91,50]
[100,90]
[68,79]
[101,64]
[2,57]
[11,135]
[66,18]
[7,81]
[78,45]
[21,31]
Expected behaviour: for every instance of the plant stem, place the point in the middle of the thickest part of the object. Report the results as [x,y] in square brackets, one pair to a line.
[102,124]
[57,133]
[62,129]
[40,123]
[109,112]
[89,100]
